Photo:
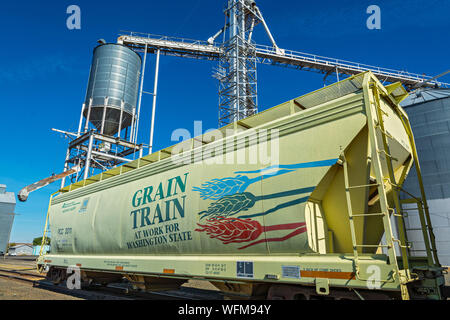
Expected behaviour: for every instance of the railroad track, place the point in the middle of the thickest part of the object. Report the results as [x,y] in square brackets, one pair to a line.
[21,275]
[38,281]
[110,292]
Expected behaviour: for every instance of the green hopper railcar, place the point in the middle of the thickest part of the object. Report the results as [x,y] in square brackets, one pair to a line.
[299,201]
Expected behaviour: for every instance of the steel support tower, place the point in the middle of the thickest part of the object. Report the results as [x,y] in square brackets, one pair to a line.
[237,66]
[238,94]
[90,151]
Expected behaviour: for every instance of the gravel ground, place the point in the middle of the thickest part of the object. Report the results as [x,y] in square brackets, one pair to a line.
[19,290]
[200,284]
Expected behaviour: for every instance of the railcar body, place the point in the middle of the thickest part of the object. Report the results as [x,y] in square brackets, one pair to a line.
[300,200]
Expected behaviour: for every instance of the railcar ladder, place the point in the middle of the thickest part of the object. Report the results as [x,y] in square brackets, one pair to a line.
[376,124]
[424,227]
[420,202]
[422,206]
[398,212]
[384,214]
[45,235]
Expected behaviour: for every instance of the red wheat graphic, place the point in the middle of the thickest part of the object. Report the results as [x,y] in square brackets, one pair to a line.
[235,230]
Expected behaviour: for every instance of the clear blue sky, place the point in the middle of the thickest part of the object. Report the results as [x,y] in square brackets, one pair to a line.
[45,66]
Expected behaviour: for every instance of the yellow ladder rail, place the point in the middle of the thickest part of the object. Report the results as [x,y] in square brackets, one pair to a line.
[386,150]
[423,198]
[424,227]
[355,245]
[373,121]
[44,236]
[427,226]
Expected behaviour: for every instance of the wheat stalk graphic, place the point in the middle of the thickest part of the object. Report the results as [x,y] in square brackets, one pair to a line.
[234,230]
[218,188]
[233,204]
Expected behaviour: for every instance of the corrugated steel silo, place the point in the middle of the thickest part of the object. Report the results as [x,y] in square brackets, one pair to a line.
[429,114]
[112,88]
[7,206]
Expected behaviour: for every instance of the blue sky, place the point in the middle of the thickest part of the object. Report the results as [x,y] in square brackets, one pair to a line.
[45,66]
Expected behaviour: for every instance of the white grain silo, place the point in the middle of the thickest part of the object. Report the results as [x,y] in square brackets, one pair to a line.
[429,113]
[7,205]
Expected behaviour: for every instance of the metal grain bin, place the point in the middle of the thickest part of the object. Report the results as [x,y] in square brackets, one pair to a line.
[7,205]
[112,88]
[429,114]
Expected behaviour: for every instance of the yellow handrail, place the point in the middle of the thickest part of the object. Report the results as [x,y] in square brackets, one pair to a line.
[44,236]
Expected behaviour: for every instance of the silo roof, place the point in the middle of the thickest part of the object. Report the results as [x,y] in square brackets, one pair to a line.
[425,95]
[6,197]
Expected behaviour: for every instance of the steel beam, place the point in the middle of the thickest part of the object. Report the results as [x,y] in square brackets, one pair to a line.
[270,55]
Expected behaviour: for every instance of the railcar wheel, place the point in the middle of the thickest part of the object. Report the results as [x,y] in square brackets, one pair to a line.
[56,275]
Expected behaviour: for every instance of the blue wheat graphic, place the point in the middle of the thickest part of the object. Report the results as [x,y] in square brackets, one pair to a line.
[233,204]
[218,188]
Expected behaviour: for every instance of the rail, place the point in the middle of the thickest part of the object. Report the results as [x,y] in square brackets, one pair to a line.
[109,292]
[320,61]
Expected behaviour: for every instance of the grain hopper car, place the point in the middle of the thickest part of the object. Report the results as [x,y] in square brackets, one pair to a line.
[301,201]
